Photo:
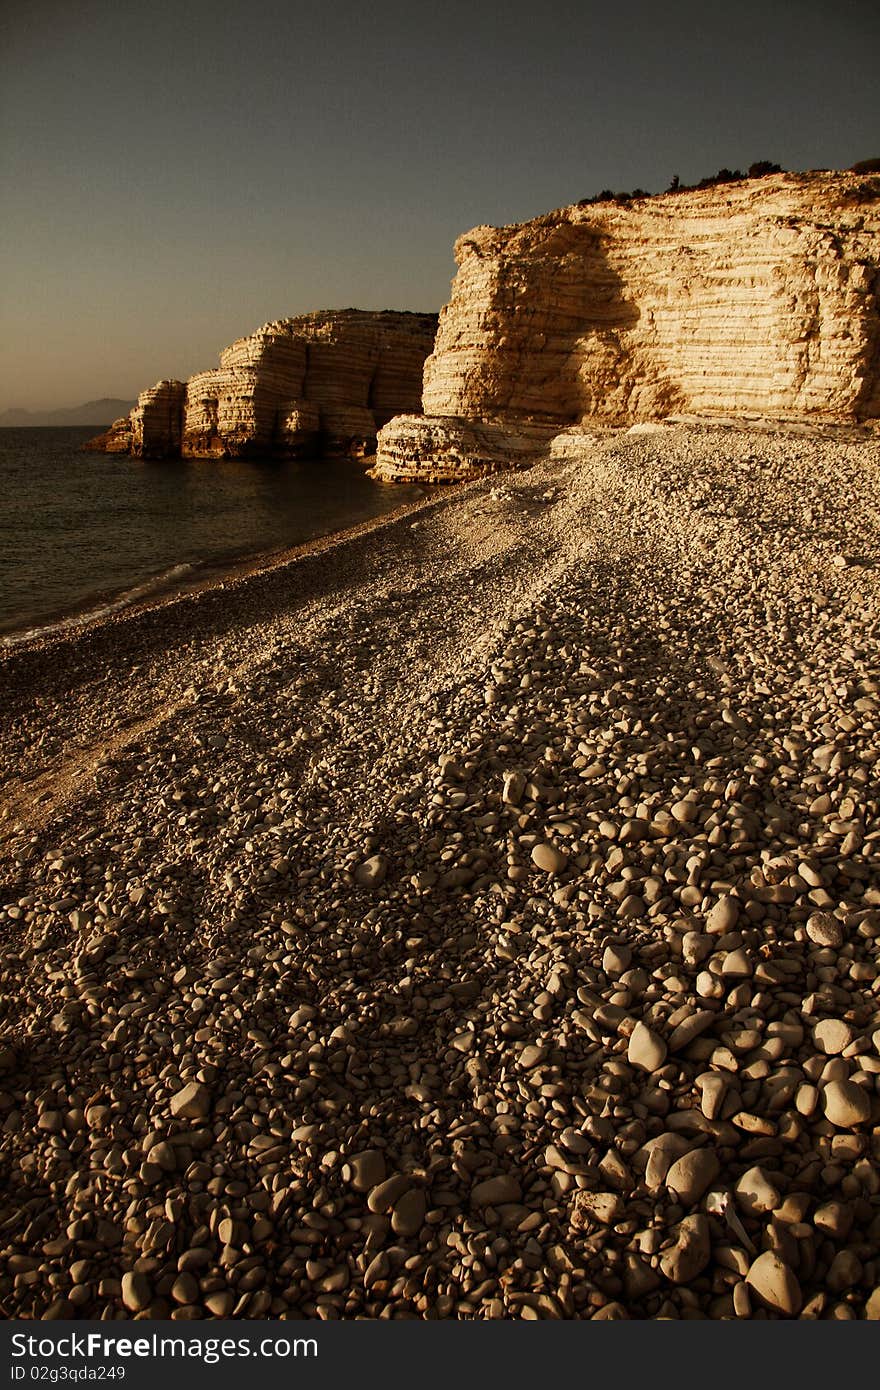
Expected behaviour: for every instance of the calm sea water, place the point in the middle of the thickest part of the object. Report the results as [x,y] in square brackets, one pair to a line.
[80,533]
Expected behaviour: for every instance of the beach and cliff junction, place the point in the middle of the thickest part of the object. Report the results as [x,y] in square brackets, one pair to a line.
[475,916]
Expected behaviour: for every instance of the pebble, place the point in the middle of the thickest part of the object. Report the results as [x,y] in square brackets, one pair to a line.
[846,1105]
[690,1028]
[384,1195]
[775,1284]
[493,1192]
[825,930]
[596,1208]
[832,1036]
[185,1289]
[548,858]
[513,787]
[713,1089]
[616,959]
[137,1293]
[690,1253]
[366,1169]
[691,1175]
[408,1213]
[193,1102]
[662,1152]
[220,1304]
[646,1049]
[835,1219]
[756,1194]
[531,1057]
[736,963]
[723,916]
[372,872]
[844,1272]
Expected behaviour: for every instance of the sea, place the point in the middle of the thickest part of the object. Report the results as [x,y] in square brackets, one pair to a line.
[86,534]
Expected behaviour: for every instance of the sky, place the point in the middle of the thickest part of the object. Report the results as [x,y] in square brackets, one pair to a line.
[173,175]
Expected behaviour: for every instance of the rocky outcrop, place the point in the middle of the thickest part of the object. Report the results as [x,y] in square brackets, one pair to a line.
[319,383]
[152,430]
[157,420]
[115,440]
[449,450]
[755,297]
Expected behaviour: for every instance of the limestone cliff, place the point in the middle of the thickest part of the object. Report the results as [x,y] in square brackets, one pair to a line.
[756,297]
[319,383]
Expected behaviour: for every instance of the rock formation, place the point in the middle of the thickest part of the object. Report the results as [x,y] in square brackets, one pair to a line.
[115,440]
[756,297]
[320,383]
[449,450]
[157,420]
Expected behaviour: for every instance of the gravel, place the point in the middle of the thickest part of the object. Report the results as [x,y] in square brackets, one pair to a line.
[475,918]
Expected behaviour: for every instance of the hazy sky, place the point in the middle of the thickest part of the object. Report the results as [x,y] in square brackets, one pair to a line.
[175,174]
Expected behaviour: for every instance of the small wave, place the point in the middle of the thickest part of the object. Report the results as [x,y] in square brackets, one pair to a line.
[157,583]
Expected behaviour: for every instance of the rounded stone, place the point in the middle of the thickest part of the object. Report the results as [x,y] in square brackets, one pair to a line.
[846,1104]
[185,1289]
[220,1304]
[825,930]
[692,1174]
[832,1036]
[548,858]
[844,1272]
[193,1102]
[383,1197]
[691,1251]
[372,872]
[775,1284]
[408,1213]
[366,1169]
[755,1193]
[494,1191]
[137,1293]
[616,959]
[646,1049]
[736,964]
[724,916]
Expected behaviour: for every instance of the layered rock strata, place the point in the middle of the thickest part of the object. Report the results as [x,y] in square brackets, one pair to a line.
[154,429]
[759,297]
[449,450]
[320,383]
[157,420]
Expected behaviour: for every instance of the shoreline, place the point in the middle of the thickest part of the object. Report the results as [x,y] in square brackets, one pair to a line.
[207,573]
[190,569]
[210,579]
[203,574]
[476,917]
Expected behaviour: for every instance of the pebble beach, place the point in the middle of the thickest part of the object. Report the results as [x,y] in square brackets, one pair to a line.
[473,916]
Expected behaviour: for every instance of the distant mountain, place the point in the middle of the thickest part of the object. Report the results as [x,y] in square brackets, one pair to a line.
[102,412]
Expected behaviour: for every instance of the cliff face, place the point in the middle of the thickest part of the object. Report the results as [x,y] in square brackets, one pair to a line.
[157,420]
[760,296]
[321,382]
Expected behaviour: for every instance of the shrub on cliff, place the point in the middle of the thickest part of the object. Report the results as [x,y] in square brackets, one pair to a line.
[758,170]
